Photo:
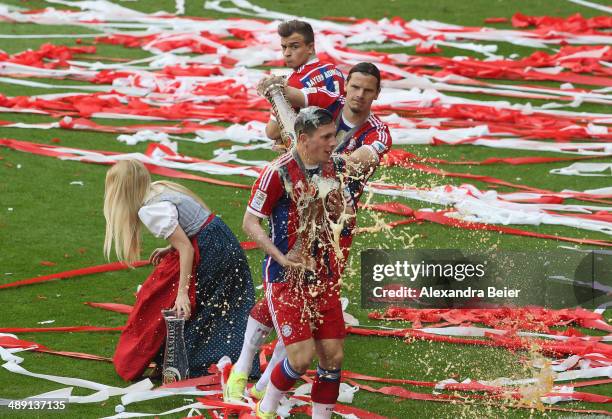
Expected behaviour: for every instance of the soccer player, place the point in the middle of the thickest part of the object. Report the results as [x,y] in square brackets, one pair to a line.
[306,308]
[360,134]
[364,139]
[298,47]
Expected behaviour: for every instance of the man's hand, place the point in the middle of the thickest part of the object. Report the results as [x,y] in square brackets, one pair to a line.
[361,163]
[298,258]
[334,204]
[267,82]
[291,261]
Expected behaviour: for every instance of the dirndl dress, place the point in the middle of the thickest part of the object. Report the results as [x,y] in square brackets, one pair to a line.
[221,295]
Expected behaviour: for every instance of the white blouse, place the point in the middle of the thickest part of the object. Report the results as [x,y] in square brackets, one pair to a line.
[160,218]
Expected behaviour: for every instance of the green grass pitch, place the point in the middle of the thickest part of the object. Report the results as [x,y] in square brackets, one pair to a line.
[45,218]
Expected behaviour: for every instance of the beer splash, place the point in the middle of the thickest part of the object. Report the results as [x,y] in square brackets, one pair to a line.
[319,230]
[541,370]
[380,225]
[312,233]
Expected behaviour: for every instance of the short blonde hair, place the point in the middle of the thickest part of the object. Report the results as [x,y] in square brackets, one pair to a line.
[126,186]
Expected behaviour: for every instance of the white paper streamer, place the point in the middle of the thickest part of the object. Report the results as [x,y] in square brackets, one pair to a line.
[103,392]
[159,159]
[8,356]
[563,376]
[180,7]
[474,205]
[592,5]
[138,396]
[188,407]
[585,169]
[472,331]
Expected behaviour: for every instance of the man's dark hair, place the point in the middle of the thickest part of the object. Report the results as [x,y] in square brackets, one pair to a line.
[311,118]
[290,27]
[366,68]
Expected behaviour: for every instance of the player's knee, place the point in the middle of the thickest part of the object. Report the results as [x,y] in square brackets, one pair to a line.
[301,361]
[332,360]
[334,363]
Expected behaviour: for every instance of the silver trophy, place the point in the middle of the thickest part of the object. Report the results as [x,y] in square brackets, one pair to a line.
[273,89]
[176,366]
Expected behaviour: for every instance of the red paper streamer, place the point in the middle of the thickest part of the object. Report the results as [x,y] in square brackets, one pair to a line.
[496,20]
[439,218]
[571,346]
[49,151]
[536,319]
[10,342]
[572,24]
[60,329]
[399,157]
[117,308]
[109,267]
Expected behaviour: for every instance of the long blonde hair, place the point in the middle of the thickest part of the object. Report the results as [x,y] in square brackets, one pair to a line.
[127,184]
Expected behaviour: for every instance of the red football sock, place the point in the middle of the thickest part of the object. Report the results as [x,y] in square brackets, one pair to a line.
[326,386]
[283,376]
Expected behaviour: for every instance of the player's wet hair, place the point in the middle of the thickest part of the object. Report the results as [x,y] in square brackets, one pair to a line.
[366,68]
[311,118]
[290,27]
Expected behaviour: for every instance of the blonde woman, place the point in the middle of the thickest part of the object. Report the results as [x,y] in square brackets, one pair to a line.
[203,273]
